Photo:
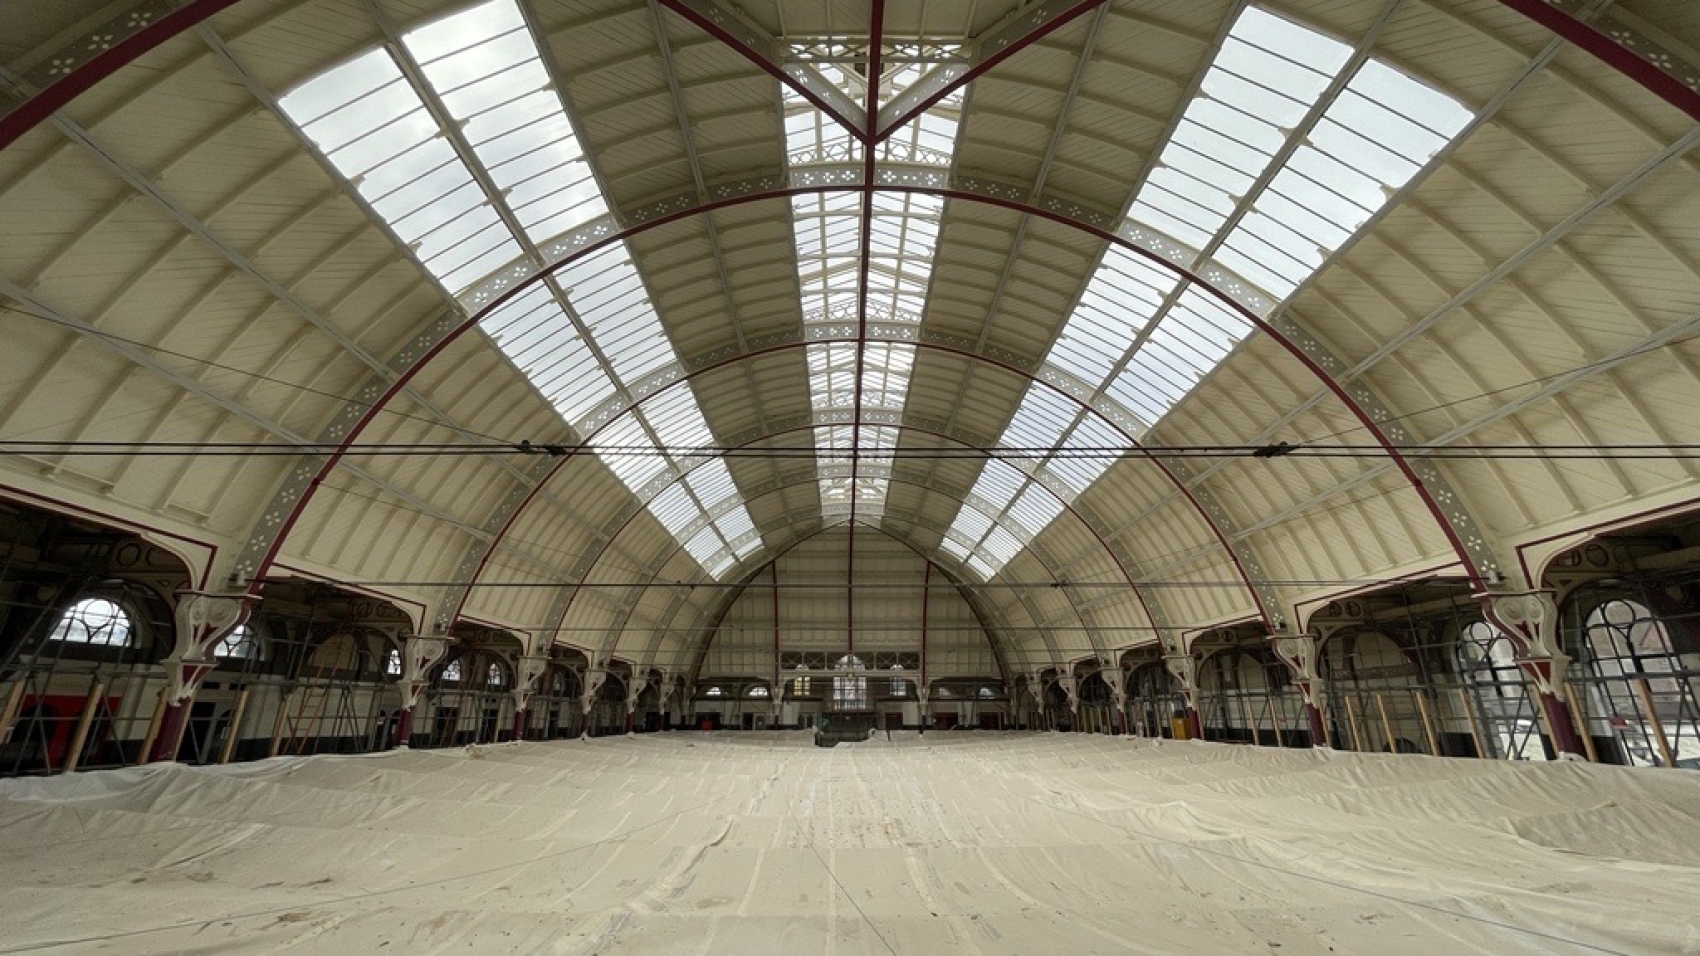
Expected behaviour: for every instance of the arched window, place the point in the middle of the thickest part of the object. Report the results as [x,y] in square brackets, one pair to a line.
[241,644]
[1490,660]
[94,621]
[451,672]
[495,676]
[1625,640]
[760,690]
[987,692]
[850,690]
[392,663]
[800,686]
[715,691]
[899,686]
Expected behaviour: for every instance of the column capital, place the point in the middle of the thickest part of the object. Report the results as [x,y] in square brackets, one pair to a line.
[420,653]
[1529,619]
[203,619]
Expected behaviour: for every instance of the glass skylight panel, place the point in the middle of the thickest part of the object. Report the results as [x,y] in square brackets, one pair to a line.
[827,229]
[678,421]
[885,374]
[487,71]
[832,376]
[1123,295]
[1035,509]
[705,545]
[609,296]
[971,524]
[902,235]
[533,330]
[954,548]
[1015,498]
[931,139]
[626,448]
[878,442]
[735,524]
[998,483]
[483,67]
[810,135]
[902,238]
[674,508]
[999,547]
[1079,471]
[1370,141]
[1268,74]
[711,482]
[1040,420]
[870,496]
[373,126]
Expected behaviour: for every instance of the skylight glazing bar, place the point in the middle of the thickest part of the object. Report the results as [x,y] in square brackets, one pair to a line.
[1269,79]
[854,463]
[457,138]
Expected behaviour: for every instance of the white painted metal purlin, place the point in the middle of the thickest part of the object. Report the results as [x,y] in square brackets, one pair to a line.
[1283,318]
[930,482]
[1017,29]
[1549,238]
[670,72]
[1046,159]
[1680,148]
[740,32]
[530,484]
[140,357]
[1153,604]
[201,231]
[803,477]
[1680,331]
[261,541]
[1277,162]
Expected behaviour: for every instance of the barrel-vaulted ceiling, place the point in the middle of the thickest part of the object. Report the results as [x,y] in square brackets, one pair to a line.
[1135,316]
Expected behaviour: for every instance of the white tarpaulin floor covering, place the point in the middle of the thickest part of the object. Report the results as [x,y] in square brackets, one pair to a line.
[761,843]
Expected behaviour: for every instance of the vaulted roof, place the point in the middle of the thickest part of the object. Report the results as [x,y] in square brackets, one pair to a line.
[524,311]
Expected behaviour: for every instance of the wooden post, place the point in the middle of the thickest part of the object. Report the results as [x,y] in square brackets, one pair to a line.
[234,732]
[1386,724]
[1475,722]
[1250,721]
[1352,721]
[1274,718]
[9,714]
[91,706]
[1428,723]
[1652,717]
[153,727]
[277,723]
[1581,715]
[182,730]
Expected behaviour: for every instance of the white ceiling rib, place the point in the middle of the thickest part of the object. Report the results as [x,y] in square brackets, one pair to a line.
[855,460]
[1268,172]
[519,178]
[1539,265]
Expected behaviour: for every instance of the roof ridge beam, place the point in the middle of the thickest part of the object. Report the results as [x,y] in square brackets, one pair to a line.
[767,51]
[1021,29]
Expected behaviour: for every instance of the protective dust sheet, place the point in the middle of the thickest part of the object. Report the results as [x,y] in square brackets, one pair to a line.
[762,843]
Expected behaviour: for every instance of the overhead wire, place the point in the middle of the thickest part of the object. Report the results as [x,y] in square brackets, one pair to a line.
[383,409]
[1498,452]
